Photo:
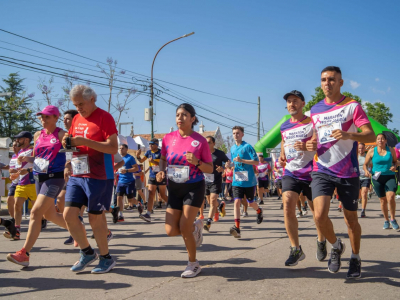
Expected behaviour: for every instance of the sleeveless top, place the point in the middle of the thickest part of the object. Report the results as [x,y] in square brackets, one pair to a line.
[382,163]
[47,148]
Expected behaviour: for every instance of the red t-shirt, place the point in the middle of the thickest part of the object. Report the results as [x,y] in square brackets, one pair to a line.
[99,126]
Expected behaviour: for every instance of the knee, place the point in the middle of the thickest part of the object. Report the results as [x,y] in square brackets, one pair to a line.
[320,218]
[95,220]
[18,205]
[172,231]
[70,216]
[186,229]
[288,210]
[36,214]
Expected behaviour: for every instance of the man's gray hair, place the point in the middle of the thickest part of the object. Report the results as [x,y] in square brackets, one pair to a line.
[86,91]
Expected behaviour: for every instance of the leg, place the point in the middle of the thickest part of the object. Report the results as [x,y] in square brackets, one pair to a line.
[364,197]
[100,231]
[140,192]
[61,201]
[391,199]
[236,210]
[19,203]
[290,199]
[187,228]
[172,219]
[11,205]
[202,208]
[384,208]
[213,200]
[321,237]
[354,229]
[75,227]
[163,193]
[120,203]
[322,221]
[152,193]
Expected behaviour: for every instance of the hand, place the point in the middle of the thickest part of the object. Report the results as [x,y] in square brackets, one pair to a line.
[67,174]
[191,158]
[340,134]
[299,146]
[160,176]
[237,159]
[21,159]
[219,169]
[282,161]
[14,176]
[23,172]
[64,140]
[368,174]
[123,171]
[151,159]
[393,169]
[311,144]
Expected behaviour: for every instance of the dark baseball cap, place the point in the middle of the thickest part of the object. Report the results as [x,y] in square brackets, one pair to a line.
[294,93]
[24,134]
[154,142]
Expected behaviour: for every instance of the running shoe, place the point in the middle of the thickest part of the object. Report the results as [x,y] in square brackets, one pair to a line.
[261,202]
[363,214]
[245,214]
[334,262]
[140,208]
[216,217]
[279,198]
[198,233]
[339,209]
[234,231]
[294,257]
[201,217]
[159,205]
[146,217]
[129,208]
[19,258]
[331,200]
[121,219]
[7,234]
[17,236]
[114,213]
[192,270]
[394,224]
[105,265]
[321,250]
[260,216]
[221,209]
[281,206]
[12,230]
[84,261]
[205,205]
[304,210]
[109,236]
[145,205]
[386,225]
[69,241]
[207,226]
[299,214]
[354,269]
[44,224]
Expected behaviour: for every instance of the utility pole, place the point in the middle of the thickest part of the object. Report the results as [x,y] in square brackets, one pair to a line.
[258,122]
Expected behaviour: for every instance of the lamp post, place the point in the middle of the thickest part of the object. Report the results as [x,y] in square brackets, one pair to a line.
[151,83]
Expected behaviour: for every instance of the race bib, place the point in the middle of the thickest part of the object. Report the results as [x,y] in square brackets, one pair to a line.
[362,172]
[156,169]
[178,174]
[68,156]
[12,163]
[376,175]
[40,165]
[80,165]
[229,178]
[291,152]
[209,177]
[241,176]
[325,131]
[262,175]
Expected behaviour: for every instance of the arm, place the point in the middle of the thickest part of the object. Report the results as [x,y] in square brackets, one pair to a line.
[29,159]
[110,146]
[366,135]
[119,165]
[282,156]
[394,161]
[367,162]
[131,170]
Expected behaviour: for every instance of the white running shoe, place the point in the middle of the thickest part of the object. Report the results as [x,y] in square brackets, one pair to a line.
[192,270]
[198,233]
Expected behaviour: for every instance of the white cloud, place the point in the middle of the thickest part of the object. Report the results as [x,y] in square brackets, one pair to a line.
[376,79]
[354,84]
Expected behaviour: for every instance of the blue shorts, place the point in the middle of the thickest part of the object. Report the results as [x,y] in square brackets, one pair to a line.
[95,194]
[128,189]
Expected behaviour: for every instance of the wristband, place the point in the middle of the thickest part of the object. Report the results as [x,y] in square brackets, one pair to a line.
[199,163]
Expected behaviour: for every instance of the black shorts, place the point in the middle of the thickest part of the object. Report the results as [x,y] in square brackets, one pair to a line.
[263,183]
[154,181]
[213,188]
[180,194]
[365,183]
[296,185]
[347,188]
[229,188]
[279,184]
[11,191]
[239,193]
[384,184]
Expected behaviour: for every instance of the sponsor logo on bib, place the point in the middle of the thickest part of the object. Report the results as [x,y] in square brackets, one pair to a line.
[195,143]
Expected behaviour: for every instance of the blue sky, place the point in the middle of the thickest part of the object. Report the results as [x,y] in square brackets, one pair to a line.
[240,50]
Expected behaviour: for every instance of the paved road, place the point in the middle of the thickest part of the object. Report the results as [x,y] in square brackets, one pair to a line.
[150,263]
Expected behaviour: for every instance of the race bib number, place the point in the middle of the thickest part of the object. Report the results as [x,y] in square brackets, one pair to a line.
[291,152]
[80,165]
[229,178]
[325,131]
[241,176]
[178,174]
[40,165]
[156,169]
[209,177]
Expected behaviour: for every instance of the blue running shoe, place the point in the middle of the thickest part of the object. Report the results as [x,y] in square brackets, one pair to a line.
[386,225]
[395,226]
[69,241]
[83,262]
[105,265]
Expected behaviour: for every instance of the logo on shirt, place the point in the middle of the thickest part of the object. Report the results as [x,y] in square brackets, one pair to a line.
[195,143]
[53,141]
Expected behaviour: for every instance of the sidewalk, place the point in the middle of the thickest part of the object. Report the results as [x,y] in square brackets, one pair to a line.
[150,263]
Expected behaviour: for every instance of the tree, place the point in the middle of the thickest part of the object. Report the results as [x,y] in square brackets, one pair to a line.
[319,95]
[16,113]
[379,112]
[227,144]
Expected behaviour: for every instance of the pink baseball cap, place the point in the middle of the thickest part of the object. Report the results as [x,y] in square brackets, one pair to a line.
[49,110]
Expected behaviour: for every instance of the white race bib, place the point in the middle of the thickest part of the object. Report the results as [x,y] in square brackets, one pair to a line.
[229,178]
[376,175]
[209,177]
[241,176]
[40,165]
[262,175]
[325,131]
[362,172]
[156,169]
[291,152]
[178,174]
[80,165]
[68,156]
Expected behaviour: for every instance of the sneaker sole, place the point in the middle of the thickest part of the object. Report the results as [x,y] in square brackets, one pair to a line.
[354,277]
[206,228]
[144,219]
[316,256]
[69,243]
[80,271]
[340,266]
[296,263]
[194,275]
[7,236]
[105,271]
[24,264]
[235,234]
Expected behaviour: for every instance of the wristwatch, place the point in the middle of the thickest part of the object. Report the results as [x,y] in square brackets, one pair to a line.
[199,163]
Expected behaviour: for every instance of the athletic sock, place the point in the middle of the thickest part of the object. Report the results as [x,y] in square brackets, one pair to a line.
[259,210]
[88,251]
[107,256]
[121,214]
[357,256]
[237,223]
[336,244]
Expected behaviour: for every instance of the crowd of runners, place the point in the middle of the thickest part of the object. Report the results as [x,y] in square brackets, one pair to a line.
[85,170]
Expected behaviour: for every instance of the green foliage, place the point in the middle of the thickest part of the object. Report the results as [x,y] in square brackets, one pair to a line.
[319,95]
[16,112]
[396,131]
[379,112]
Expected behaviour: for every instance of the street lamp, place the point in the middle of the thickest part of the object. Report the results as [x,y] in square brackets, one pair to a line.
[151,83]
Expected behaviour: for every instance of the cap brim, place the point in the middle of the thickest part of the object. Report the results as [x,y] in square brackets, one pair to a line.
[288,94]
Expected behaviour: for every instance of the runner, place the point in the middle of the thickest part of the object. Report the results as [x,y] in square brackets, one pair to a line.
[278,172]
[14,183]
[214,183]
[126,181]
[153,155]
[48,170]
[95,136]
[264,173]
[229,179]
[336,119]
[384,164]
[365,181]
[244,179]
[188,157]
[296,180]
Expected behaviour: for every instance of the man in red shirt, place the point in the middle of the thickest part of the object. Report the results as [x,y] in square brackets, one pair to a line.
[94,134]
